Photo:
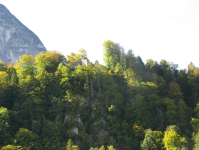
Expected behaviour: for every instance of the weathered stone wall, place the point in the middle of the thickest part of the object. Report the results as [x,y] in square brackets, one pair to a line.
[74,64]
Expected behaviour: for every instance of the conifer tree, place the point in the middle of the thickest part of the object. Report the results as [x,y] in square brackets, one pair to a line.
[69,145]
[111,147]
[102,147]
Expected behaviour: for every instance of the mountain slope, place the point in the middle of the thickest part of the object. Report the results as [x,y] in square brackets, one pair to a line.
[15,38]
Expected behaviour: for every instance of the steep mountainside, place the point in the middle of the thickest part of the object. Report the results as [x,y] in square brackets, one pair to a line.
[15,38]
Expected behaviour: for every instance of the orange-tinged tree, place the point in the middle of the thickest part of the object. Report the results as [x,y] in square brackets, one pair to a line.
[49,61]
[138,131]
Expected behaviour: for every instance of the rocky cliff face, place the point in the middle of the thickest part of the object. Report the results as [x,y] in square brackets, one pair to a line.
[15,38]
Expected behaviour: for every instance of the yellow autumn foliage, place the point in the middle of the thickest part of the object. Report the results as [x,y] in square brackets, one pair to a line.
[172,141]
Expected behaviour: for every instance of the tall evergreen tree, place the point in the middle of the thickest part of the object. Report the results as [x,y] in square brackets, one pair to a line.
[69,145]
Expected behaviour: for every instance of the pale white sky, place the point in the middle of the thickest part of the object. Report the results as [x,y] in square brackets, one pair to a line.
[156,29]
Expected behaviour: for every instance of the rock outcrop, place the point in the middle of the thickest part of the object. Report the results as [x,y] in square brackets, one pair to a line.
[16,39]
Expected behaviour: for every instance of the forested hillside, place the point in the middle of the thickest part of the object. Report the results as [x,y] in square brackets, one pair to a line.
[125,105]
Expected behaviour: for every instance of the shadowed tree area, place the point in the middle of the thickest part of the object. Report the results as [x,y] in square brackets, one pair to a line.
[126,104]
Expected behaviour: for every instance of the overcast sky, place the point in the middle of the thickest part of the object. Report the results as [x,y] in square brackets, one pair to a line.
[153,29]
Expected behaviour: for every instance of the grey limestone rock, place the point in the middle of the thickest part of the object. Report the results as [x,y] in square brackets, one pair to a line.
[16,39]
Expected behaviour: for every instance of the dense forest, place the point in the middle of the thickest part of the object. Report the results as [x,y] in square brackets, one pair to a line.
[125,105]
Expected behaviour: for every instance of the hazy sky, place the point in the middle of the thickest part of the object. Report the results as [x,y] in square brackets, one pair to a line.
[153,29]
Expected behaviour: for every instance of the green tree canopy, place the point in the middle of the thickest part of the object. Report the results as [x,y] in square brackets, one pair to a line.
[152,140]
[27,139]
